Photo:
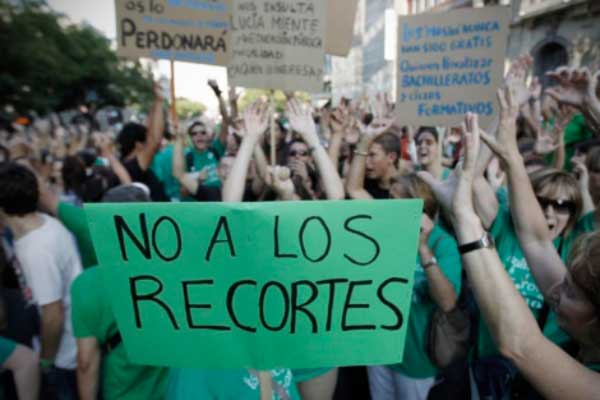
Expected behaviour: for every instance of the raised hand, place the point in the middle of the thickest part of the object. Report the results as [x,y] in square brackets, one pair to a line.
[255,120]
[279,178]
[581,173]
[382,107]
[215,87]
[426,228]
[575,86]
[495,175]
[505,144]
[340,120]
[516,78]
[301,121]
[375,128]
[546,143]
[104,143]
[455,193]
[233,95]
[299,168]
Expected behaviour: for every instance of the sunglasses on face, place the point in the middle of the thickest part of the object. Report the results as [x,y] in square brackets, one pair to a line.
[198,132]
[301,153]
[559,206]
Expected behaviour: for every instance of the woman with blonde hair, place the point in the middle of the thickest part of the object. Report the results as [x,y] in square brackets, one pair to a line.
[573,292]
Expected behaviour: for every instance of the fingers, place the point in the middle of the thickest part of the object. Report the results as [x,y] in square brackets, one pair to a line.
[429,179]
[490,141]
[471,141]
[501,99]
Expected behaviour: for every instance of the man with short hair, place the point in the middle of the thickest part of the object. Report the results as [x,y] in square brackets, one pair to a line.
[49,260]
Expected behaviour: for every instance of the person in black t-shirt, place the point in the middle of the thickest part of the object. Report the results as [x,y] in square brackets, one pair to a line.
[374,165]
[139,144]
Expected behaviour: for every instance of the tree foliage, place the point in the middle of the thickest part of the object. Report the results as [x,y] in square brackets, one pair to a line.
[187,109]
[47,65]
[251,95]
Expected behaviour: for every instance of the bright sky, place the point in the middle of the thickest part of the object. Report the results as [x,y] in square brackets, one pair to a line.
[190,79]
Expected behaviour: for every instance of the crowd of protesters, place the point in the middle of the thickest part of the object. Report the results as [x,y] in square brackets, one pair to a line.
[506,298]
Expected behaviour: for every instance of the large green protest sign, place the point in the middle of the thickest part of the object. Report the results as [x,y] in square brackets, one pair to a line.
[260,285]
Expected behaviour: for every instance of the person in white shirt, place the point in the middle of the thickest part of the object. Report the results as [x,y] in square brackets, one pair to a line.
[49,260]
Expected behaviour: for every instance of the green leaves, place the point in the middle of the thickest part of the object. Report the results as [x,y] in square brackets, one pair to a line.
[48,65]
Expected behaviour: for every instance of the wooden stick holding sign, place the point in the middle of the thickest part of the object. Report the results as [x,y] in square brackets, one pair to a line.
[173,101]
[273,135]
[266,387]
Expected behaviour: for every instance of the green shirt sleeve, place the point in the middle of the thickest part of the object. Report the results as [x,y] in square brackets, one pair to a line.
[7,347]
[218,146]
[502,225]
[74,219]
[446,252]
[586,223]
[81,309]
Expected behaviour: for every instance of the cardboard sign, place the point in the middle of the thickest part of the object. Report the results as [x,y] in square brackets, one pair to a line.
[260,285]
[195,31]
[450,63]
[278,45]
[341,15]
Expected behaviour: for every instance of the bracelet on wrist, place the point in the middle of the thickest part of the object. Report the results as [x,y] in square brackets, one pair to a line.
[429,263]
[361,153]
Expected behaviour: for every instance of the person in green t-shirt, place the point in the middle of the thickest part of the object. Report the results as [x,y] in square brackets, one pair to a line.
[437,284]
[162,166]
[568,209]
[238,384]
[94,325]
[205,153]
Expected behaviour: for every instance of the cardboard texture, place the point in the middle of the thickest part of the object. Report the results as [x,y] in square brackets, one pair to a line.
[260,285]
[341,15]
[196,31]
[278,45]
[450,63]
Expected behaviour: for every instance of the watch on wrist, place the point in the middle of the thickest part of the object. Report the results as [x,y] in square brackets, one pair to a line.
[429,263]
[486,241]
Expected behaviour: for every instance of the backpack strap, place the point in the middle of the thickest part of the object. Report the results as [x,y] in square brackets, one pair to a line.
[215,153]
[189,161]
[112,342]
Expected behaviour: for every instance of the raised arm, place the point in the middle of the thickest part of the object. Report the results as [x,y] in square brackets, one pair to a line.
[528,219]
[511,323]
[356,175]
[156,127]
[301,121]
[340,123]
[225,121]
[255,121]
[440,288]
[104,143]
[233,105]
[583,179]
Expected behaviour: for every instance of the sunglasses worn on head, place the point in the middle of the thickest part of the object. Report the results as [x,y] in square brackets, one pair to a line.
[300,153]
[560,206]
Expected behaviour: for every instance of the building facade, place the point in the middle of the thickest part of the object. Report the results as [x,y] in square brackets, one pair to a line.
[554,32]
